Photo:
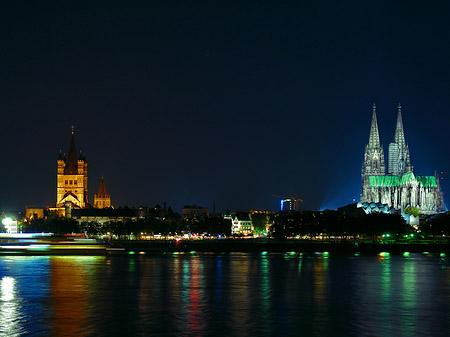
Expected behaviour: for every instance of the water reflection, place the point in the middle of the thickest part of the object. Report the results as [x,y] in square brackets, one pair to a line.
[9,314]
[70,294]
[226,294]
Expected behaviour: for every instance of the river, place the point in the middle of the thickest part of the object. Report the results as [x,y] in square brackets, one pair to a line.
[229,294]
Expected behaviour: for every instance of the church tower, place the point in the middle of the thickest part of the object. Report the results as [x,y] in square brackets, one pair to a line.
[373,163]
[71,185]
[399,159]
[102,199]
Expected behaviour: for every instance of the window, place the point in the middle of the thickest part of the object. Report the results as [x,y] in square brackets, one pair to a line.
[70,182]
[66,182]
[75,182]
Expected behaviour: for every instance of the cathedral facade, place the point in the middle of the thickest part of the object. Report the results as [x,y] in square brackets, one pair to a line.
[400,187]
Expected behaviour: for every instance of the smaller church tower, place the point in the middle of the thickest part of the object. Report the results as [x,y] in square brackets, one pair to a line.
[102,199]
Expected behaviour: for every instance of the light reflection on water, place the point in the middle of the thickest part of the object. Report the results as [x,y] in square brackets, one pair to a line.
[235,294]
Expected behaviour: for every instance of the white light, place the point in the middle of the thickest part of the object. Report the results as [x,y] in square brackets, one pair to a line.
[7,221]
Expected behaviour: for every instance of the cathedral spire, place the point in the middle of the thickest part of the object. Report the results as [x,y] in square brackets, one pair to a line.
[374,137]
[399,137]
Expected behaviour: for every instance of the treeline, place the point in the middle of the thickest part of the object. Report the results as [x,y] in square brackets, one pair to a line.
[334,223]
[147,226]
[292,224]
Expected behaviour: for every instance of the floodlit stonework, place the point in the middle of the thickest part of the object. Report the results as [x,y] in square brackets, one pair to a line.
[400,188]
[72,178]
[102,199]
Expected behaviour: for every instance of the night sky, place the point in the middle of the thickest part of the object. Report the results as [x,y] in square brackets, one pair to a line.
[192,102]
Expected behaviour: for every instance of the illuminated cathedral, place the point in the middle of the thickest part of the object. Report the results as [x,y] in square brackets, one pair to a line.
[400,188]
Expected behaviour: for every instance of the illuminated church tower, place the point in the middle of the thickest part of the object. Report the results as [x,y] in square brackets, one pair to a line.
[72,178]
[102,199]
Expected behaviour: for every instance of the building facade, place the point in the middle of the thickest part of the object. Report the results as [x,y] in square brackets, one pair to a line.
[72,178]
[400,187]
[241,223]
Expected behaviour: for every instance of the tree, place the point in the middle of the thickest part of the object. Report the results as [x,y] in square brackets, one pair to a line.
[414,211]
[259,222]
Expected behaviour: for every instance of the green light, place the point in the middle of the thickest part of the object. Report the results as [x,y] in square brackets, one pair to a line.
[357,254]
[192,252]
[292,253]
[406,254]
[442,255]
[131,252]
[325,254]
[264,253]
[426,253]
[387,235]
[412,235]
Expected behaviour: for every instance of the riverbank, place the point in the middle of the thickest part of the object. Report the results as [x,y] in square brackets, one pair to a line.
[70,246]
[265,245]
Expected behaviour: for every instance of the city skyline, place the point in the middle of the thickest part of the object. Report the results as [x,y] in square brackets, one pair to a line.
[227,104]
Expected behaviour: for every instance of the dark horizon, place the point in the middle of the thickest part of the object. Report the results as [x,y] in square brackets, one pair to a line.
[218,103]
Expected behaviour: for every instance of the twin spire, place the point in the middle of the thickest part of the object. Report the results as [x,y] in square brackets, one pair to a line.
[399,137]
[374,137]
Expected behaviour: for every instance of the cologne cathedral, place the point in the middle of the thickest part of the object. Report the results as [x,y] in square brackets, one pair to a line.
[400,187]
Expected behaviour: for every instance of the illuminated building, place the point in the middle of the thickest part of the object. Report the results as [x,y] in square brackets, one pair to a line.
[241,224]
[10,225]
[288,205]
[400,188]
[33,212]
[102,199]
[72,178]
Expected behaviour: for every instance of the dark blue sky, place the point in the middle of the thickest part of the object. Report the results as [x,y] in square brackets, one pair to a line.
[191,102]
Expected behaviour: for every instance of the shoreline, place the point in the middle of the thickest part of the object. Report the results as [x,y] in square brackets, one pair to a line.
[128,247]
[244,246]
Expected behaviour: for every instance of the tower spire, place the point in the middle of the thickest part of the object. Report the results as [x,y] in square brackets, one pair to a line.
[399,137]
[374,137]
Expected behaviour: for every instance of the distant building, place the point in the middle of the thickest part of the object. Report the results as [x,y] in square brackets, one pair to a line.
[192,211]
[288,204]
[9,223]
[33,212]
[102,199]
[241,223]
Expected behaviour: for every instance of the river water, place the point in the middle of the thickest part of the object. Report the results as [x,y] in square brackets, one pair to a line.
[233,294]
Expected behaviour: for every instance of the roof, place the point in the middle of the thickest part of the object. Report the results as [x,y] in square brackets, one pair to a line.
[242,216]
[406,179]
[102,189]
[105,212]
[72,159]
